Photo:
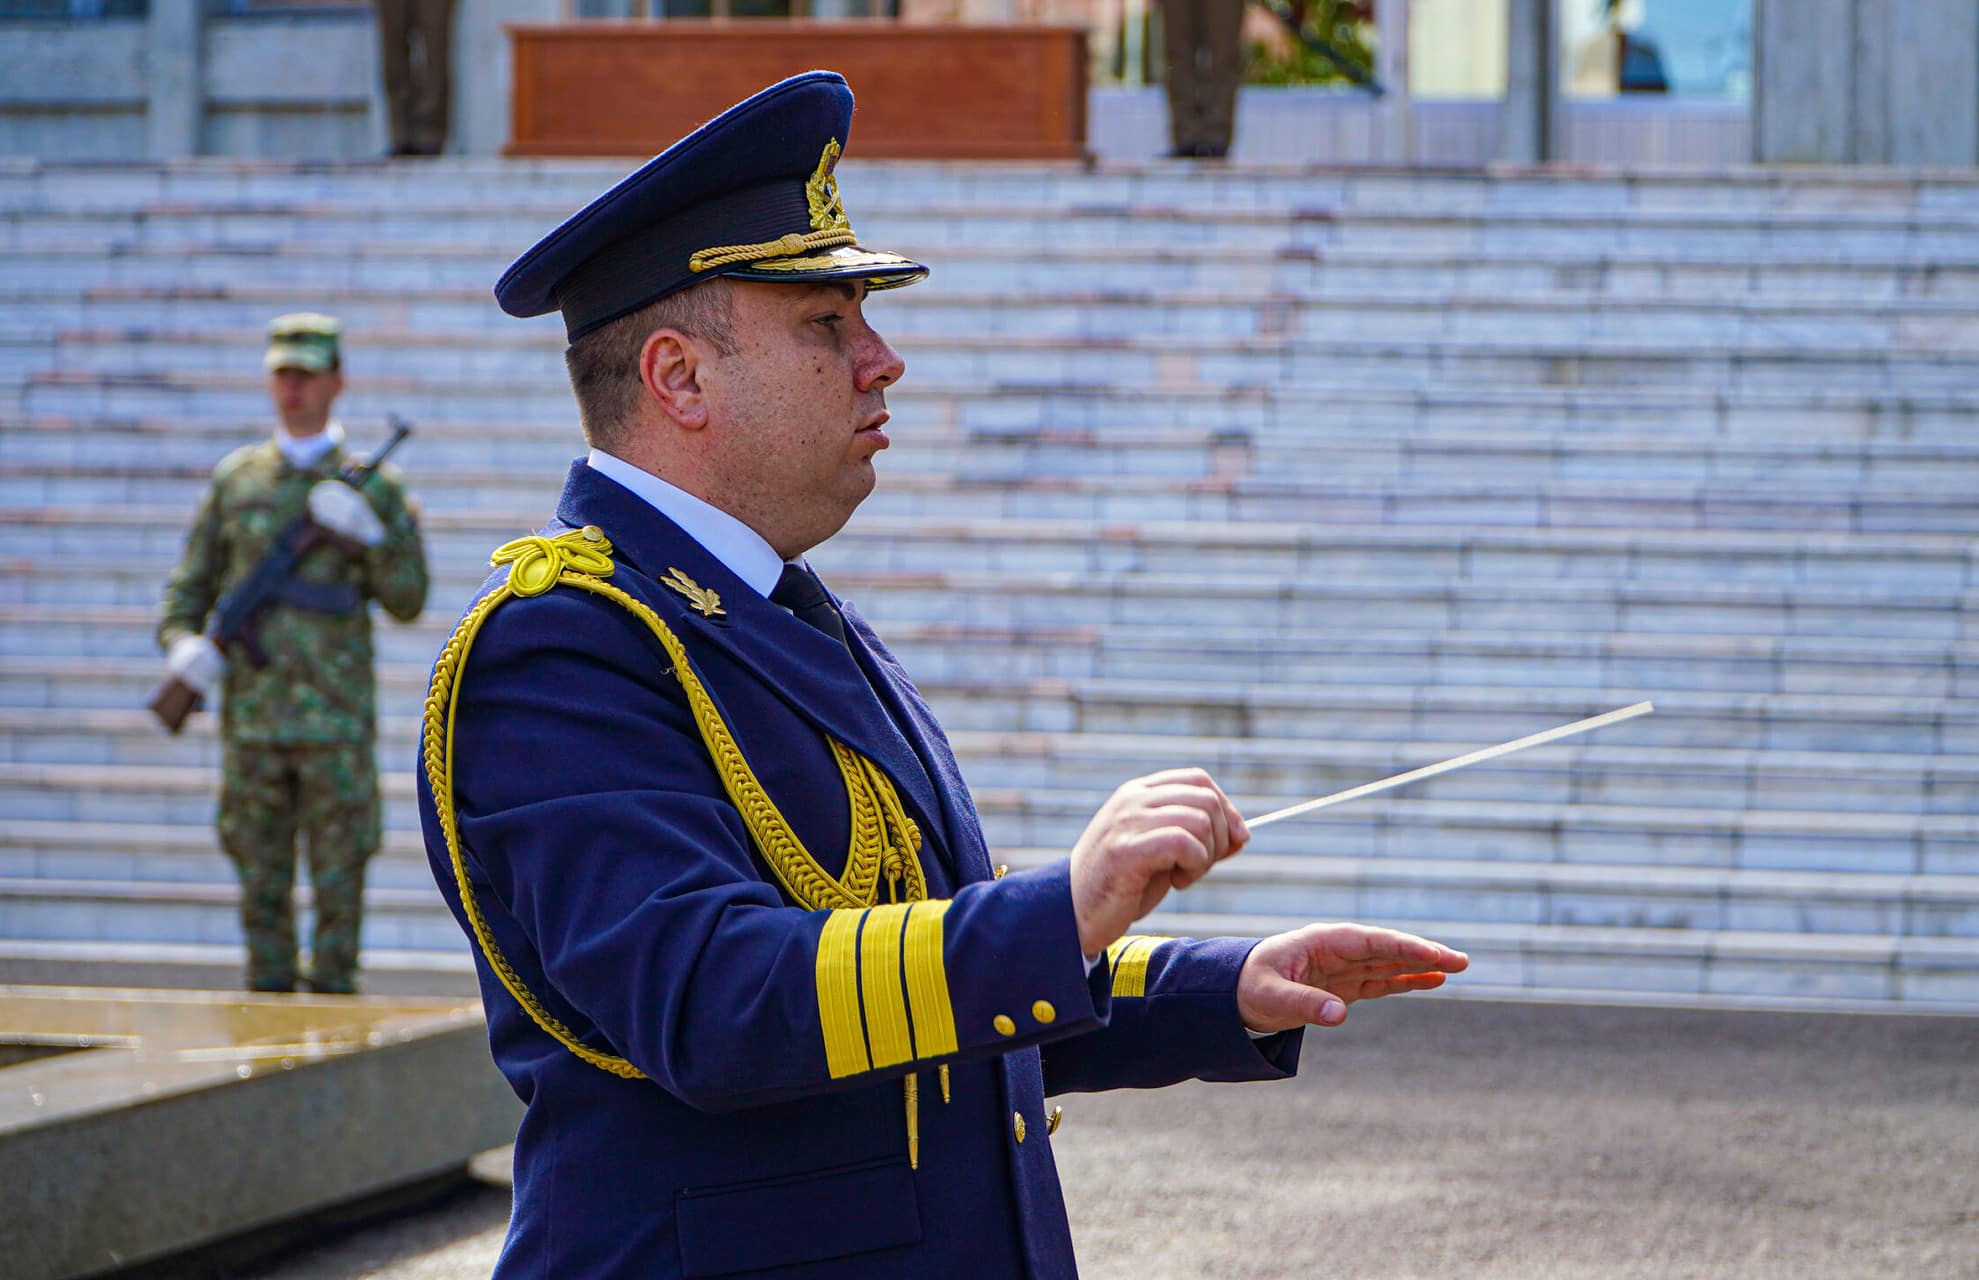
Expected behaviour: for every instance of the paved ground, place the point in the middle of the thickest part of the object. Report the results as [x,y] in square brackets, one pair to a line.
[1475,1141]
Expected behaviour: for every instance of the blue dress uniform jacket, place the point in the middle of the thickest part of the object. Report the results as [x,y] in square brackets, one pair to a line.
[766,1131]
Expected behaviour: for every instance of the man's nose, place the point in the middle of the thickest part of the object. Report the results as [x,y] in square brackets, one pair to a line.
[879,365]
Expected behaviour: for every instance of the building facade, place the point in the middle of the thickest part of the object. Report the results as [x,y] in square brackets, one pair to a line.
[1465,82]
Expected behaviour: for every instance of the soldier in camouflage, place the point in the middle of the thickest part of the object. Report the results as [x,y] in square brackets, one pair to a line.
[297,734]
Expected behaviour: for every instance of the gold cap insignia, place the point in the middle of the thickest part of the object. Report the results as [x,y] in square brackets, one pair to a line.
[702,598]
[821,193]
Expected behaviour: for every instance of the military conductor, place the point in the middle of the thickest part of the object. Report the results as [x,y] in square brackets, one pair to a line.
[744,955]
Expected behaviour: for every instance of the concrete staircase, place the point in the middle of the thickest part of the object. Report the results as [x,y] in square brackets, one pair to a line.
[1305,477]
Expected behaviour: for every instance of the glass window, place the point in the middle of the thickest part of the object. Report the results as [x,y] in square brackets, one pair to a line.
[1324,42]
[732,8]
[1693,48]
[59,9]
[281,8]
[1457,49]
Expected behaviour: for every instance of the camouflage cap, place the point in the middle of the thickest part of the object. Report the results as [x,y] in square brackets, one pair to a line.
[303,340]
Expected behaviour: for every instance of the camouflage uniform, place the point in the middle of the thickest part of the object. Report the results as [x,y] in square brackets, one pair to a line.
[298,734]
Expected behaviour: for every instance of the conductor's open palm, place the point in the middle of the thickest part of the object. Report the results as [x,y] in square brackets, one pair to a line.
[1309,976]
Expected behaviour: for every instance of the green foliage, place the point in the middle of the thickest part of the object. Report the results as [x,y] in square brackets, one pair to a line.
[1345,25]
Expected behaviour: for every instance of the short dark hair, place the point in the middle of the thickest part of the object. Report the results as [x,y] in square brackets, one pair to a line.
[604,364]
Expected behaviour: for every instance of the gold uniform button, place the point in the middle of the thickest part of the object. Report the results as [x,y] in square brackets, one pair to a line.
[592,533]
[1002,870]
[1017,1125]
[1043,1011]
[1052,1121]
[1003,1024]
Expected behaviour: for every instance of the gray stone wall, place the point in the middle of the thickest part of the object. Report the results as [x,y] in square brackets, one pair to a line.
[287,86]
[74,91]
[1866,82]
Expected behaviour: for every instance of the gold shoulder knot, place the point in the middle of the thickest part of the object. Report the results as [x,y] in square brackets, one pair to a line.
[537,563]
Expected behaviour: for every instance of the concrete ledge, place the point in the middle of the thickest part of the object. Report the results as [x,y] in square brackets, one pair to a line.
[184,1129]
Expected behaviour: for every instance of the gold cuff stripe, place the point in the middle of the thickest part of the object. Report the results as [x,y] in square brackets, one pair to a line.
[862,1000]
[1129,957]
[879,980]
[838,994]
[927,980]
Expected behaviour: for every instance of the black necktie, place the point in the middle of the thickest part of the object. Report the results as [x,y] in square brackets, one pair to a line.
[799,591]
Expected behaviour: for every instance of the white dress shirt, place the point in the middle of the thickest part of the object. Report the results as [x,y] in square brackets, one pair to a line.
[740,549]
[304,452]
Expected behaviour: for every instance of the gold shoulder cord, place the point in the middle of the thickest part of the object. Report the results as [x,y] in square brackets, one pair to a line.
[885,842]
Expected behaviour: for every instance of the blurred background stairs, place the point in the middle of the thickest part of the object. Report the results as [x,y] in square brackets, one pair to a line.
[1306,477]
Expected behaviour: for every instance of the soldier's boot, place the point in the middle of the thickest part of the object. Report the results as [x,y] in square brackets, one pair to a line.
[340,816]
[257,824]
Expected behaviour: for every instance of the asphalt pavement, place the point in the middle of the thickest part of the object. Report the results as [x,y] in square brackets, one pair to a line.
[1465,1140]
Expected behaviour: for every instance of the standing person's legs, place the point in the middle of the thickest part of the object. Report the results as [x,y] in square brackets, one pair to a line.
[257,825]
[1219,70]
[340,817]
[432,90]
[395,64]
[1181,36]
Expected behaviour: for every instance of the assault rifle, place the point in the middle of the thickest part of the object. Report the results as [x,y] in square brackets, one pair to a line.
[236,619]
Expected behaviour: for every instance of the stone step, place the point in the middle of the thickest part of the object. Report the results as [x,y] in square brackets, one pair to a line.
[1581,834]
[1071,304]
[1816,415]
[65,456]
[1311,885]
[1400,893]
[1821,971]
[297,274]
[1579,637]
[1295,769]
[901,214]
[89,712]
[1283,770]
[997,493]
[45,910]
[1344,640]
[27,179]
[1806,964]
[532,360]
[1255,557]
[1408,829]
[28,183]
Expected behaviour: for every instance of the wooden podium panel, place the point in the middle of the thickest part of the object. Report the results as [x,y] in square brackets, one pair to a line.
[924,92]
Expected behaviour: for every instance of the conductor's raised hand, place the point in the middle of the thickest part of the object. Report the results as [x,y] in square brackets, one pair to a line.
[1309,976]
[1157,833]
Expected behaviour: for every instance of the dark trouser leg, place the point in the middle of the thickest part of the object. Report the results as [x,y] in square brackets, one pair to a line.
[1220,63]
[1204,56]
[340,817]
[432,24]
[395,65]
[257,824]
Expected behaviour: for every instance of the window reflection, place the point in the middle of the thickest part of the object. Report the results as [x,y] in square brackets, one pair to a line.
[1692,48]
[1457,49]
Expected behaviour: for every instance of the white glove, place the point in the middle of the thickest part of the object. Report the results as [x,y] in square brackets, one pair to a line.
[345,512]
[197,661]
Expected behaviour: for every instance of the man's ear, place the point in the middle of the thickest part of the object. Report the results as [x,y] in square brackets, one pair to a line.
[670,368]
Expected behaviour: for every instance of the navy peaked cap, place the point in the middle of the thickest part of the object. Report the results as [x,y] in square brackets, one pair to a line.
[750,194]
